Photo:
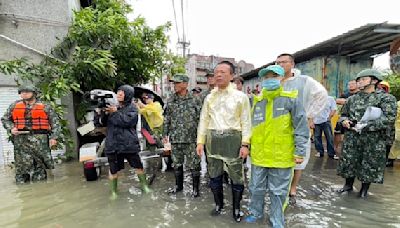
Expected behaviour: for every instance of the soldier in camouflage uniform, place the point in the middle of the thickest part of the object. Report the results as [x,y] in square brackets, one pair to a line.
[181,117]
[34,128]
[363,154]
[210,84]
[391,131]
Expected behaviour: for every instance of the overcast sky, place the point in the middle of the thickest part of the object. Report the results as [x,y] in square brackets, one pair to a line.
[256,31]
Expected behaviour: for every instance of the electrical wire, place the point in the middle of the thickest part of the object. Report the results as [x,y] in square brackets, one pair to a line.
[183,23]
[36,20]
[176,22]
[29,48]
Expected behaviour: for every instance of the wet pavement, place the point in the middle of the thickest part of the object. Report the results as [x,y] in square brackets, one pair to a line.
[68,200]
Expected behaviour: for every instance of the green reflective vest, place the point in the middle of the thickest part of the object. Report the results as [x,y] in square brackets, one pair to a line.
[272,141]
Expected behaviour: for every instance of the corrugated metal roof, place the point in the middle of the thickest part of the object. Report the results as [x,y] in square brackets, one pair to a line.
[359,43]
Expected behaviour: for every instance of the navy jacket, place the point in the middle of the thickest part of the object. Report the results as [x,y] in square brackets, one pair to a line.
[121,126]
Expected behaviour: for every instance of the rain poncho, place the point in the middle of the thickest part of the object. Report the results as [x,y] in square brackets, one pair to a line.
[153,113]
[312,94]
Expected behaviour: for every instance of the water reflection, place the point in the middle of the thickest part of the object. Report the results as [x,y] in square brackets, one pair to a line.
[67,200]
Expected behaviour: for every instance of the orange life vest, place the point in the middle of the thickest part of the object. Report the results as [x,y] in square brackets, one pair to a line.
[38,119]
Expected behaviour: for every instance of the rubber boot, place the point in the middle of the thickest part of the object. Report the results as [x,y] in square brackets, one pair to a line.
[143,182]
[389,163]
[364,190]
[113,187]
[178,181]
[348,186]
[237,192]
[196,184]
[219,201]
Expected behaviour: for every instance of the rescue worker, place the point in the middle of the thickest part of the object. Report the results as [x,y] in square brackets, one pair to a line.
[34,128]
[121,138]
[225,130]
[181,118]
[313,97]
[278,142]
[363,154]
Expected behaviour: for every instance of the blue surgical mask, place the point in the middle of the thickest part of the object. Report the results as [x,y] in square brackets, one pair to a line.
[271,84]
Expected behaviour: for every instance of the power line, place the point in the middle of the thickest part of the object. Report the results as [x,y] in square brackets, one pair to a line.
[183,22]
[183,43]
[176,22]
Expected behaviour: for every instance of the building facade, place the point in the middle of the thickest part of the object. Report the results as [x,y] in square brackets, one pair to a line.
[30,28]
[197,67]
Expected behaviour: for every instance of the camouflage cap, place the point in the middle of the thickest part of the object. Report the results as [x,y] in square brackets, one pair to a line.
[179,78]
[370,73]
[27,88]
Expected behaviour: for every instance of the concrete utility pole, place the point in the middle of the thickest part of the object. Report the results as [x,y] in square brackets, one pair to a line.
[184,45]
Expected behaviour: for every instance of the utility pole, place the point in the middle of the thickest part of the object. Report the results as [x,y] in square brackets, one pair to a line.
[182,43]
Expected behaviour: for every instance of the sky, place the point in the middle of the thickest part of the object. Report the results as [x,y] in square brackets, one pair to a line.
[256,31]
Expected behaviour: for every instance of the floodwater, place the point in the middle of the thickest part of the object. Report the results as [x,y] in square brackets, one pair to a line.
[68,200]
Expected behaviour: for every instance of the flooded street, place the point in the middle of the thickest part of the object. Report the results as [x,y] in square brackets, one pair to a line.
[68,200]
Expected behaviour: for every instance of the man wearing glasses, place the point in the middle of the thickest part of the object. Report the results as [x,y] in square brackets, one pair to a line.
[312,95]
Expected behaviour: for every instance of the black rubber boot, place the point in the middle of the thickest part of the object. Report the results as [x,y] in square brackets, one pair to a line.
[348,186]
[178,181]
[237,192]
[196,184]
[364,190]
[389,163]
[219,201]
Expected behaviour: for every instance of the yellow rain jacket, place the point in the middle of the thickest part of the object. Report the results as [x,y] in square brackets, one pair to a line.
[279,129]
[153,113]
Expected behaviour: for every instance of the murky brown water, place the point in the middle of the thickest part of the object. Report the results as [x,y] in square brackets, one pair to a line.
[67,200]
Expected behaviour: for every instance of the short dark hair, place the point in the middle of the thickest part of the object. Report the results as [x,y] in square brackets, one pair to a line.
[232,67]
[238,79]
[286,54]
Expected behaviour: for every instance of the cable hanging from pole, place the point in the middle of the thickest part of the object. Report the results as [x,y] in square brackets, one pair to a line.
[183,23]
[176,22]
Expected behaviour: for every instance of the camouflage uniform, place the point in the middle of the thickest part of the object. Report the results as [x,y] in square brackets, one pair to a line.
[180,124]
[32,153]
[363,154]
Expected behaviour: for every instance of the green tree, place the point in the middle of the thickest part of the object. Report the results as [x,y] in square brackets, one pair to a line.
[102,50]
[394,81]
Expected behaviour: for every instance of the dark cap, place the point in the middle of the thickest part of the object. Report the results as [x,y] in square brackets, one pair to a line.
[209,74]
[238,78]
[197,90]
